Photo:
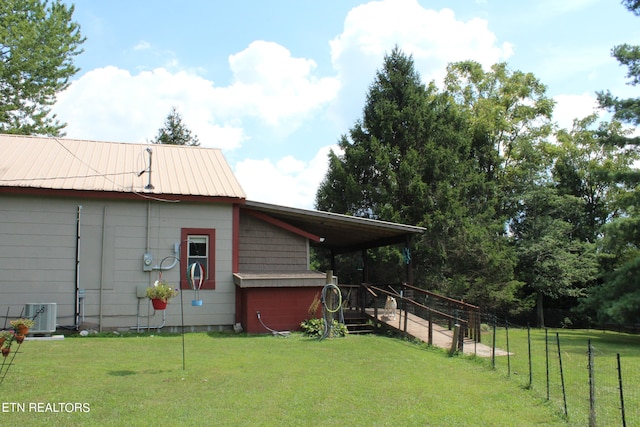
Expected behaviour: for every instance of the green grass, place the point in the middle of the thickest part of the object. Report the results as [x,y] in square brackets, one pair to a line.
[262,381]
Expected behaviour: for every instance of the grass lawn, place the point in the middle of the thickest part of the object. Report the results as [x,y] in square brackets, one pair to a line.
[242,380]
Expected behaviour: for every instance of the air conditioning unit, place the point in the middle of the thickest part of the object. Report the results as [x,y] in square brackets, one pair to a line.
[44,316]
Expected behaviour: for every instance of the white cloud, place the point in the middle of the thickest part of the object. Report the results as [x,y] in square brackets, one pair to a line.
[288,181]
[111,104]
[571,107]
[433,38]
[274,86]
[270,85]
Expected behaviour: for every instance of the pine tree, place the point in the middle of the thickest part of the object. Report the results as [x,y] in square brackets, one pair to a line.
[38,41]
[175,132]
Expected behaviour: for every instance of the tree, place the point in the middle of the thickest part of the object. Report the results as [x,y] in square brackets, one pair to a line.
[410,159]
[587,166]
[626,110]
[509,120]
[618,297]
[38,41]
[396,160]
[175,132]
[551,261]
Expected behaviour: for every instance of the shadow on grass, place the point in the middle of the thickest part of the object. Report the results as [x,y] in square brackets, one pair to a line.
[121,373]
[128,372]
[230,334]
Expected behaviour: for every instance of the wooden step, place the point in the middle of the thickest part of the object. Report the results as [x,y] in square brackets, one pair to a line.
[359,326]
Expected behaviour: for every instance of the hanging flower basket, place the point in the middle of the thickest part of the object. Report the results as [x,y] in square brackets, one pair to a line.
[19,338]
[158,304]
[6,351]
[22,325]
[160,294]
[5,335]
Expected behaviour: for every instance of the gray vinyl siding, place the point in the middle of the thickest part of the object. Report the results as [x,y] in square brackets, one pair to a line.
[38,259]
[266,248]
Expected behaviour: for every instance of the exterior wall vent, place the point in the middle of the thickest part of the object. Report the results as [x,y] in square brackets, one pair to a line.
[44,316]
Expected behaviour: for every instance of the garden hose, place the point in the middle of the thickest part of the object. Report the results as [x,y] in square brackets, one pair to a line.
[327,312]
[324,299]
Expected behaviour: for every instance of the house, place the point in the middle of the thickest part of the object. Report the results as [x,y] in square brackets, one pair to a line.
[86,227]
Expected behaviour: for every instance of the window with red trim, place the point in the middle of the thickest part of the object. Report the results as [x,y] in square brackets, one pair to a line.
[198,245]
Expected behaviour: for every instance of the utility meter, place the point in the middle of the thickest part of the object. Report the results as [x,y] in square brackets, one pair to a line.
[147,260]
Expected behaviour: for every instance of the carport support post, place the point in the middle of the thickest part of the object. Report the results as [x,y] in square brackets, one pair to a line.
[333,260]
[365,267]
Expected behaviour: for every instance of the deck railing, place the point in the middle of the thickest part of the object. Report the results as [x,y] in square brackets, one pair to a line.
[434,308]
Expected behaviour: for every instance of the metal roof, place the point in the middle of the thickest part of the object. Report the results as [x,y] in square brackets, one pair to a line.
[68,164]
[340,233]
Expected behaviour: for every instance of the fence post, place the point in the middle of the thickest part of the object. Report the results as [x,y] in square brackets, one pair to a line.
[493,346]
[564,394]
[592,388]
[506,327]
[375,308]
[529,350]
[454,343]
[624,421]
[430,339]
[406,315]
[546,352]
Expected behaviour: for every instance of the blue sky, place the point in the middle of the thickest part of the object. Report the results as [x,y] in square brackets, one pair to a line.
[275,83]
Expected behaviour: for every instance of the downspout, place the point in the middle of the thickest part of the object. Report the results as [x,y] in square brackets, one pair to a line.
[104,237]
[149,280]
[76,308]
[146,249]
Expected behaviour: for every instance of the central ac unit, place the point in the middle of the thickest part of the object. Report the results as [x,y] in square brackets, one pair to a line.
[44,316]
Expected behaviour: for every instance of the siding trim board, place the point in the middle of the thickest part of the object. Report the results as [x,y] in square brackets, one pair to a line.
[279,280]
[112,195]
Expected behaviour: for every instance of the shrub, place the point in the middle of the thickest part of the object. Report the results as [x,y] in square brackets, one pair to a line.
[315,328]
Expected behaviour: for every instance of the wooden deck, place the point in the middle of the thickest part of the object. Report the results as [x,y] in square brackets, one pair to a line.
[442,337]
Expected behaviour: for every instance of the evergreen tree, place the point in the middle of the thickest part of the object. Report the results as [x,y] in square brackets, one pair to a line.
[38,41]
[626,110]
[175,132]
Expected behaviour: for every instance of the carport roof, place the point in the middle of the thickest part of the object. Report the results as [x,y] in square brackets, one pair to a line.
[339,233]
